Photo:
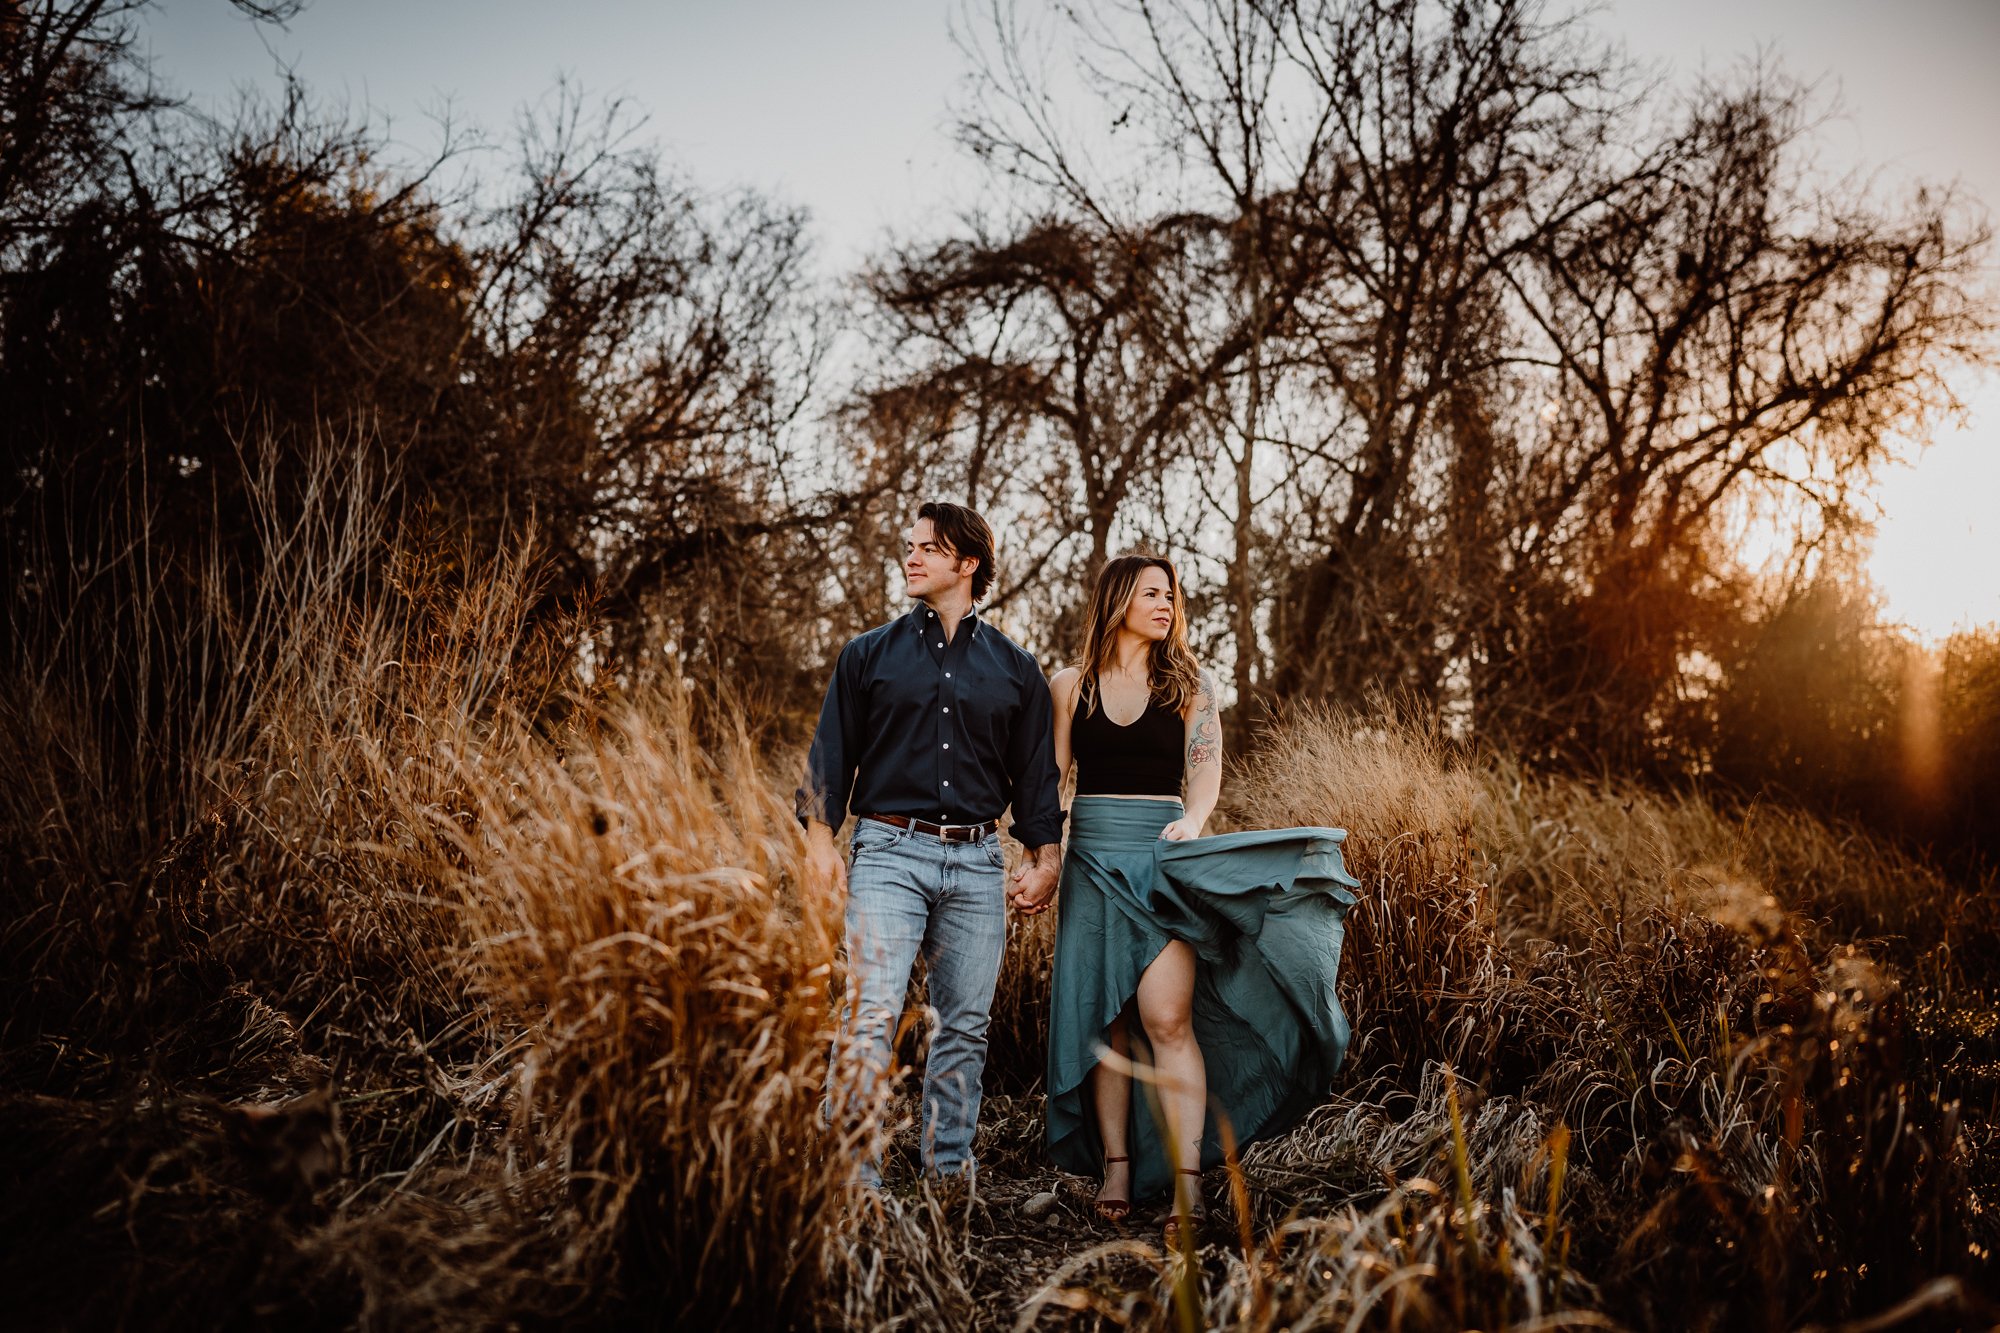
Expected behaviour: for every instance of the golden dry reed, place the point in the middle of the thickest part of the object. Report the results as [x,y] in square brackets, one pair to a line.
[547,950]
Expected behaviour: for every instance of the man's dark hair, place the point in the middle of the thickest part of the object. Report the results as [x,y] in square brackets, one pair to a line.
[966,535]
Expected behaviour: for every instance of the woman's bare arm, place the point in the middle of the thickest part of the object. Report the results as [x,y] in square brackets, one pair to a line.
[1063,687]
[1204,755]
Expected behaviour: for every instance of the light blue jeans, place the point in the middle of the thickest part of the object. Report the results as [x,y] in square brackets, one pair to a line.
[909,893]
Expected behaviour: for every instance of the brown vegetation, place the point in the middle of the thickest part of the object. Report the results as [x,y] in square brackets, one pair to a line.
[539,948]
[436,988]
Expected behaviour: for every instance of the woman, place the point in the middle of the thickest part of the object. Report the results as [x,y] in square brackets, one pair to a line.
[1217,953]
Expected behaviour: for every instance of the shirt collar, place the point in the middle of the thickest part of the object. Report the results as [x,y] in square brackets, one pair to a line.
[923,617]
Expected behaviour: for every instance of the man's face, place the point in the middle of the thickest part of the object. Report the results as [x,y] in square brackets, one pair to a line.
[930,569]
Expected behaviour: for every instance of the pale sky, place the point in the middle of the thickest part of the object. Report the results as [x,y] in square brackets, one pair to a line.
[844,108]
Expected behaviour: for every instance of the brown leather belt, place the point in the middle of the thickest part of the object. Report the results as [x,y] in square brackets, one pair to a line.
[942,832]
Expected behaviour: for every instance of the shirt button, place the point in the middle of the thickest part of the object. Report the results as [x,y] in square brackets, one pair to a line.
[947,710]
[947,675]
[947,745]
[947,782]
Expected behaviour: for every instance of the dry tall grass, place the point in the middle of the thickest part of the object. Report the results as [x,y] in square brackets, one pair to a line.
[1424,938]
[1726,1073]
[545,951]
[371,968]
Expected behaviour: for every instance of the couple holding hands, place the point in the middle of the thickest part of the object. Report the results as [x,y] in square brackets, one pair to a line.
[1205,965]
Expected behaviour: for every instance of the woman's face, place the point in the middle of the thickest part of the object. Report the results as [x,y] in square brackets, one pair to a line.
[1151,611]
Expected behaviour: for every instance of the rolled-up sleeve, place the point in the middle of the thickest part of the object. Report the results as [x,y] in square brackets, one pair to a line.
[1031,767]
[835,746]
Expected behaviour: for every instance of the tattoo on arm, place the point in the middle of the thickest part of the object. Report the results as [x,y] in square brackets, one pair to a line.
[1204,745]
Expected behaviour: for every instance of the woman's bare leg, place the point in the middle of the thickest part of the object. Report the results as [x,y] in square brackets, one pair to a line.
[1111,1095]
[1166,1008]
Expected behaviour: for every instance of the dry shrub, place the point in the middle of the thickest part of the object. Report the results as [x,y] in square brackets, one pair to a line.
[191,727]
[629,903]
[1464,1226]
[1423,938]
[1729,1077]
[1414,1260]
[544,956]
[912,1265]
[1569,856]
[608,903]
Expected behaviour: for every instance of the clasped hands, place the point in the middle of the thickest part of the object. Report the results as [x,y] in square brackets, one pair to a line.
[1034,888]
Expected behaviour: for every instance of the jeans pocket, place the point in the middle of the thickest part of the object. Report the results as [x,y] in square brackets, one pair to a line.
[871,837]
[995,854]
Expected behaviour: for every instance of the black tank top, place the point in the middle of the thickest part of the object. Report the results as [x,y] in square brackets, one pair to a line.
[1143,759]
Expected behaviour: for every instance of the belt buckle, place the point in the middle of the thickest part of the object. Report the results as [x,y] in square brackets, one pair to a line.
[957,832]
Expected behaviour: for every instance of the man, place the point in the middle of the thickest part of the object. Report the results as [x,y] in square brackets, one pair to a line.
[933,725]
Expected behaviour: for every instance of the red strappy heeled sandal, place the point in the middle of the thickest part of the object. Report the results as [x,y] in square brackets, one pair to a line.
[1197,1213]
[1113,1210]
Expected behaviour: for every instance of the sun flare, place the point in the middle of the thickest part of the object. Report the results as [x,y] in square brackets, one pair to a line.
[1937,547]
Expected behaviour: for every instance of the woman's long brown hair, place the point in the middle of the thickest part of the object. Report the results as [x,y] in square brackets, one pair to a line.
[1176,676]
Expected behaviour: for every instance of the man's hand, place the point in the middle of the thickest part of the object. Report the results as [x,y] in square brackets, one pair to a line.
[826,872]
[1035,882]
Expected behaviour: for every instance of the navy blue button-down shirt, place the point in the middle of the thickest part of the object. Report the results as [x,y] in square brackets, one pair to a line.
[953,731]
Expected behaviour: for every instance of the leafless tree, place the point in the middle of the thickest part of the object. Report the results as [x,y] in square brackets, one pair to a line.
[1464,332]
[1715,322]
[608,356]
[1114,317]
[653,348]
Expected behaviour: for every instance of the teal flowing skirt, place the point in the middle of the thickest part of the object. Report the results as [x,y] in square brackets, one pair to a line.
[1264,911]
